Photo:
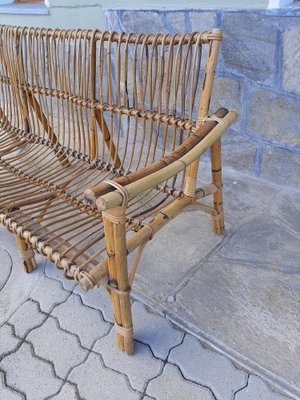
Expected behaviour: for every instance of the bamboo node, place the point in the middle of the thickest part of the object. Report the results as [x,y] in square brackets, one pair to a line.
[190,187]
[147,226]
[26,254]
[122,331]
[116,215]
[218,217]
[112,286]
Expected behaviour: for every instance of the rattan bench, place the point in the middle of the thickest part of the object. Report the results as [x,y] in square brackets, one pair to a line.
[100,139]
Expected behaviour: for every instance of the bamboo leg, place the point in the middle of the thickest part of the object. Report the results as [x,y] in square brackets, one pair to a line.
[216,171]
[109,239]
[26,254]
[118,273]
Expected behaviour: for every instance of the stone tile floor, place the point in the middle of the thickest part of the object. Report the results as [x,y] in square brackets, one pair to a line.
[58,343]
[55,346]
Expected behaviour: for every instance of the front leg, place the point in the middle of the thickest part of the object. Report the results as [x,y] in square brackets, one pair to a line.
[115,237]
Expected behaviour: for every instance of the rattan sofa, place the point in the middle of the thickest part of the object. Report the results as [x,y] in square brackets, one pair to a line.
[100,139]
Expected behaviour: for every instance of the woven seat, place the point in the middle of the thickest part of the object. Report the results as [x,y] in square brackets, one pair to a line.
[100,139]
[53,209]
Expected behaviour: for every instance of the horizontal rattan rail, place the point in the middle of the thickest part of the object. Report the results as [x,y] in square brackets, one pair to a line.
[100,139]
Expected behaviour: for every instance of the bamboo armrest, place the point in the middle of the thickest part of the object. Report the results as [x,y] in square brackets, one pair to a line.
[105,196]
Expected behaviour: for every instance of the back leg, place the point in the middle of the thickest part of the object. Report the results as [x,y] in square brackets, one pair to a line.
[26,254]
[216,171]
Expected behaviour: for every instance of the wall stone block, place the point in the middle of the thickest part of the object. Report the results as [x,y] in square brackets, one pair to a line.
[203,21]
[238,151]
[176,21]
[249,45]
[274,117]
[291,59]
[227,93]
[143,21]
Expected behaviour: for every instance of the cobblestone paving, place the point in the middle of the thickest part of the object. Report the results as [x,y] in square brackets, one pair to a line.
[60,344]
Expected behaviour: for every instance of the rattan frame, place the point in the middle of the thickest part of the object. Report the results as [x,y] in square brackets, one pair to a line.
[69,163]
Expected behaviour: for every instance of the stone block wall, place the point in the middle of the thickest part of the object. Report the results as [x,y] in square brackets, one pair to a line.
[258,73]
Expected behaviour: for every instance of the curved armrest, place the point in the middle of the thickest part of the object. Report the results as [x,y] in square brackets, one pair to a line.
[105,196]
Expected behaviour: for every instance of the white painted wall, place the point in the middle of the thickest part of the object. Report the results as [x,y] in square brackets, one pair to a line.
[89,13]
[278,3]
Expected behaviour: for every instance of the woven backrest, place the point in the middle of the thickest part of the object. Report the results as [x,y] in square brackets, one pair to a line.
[123,99]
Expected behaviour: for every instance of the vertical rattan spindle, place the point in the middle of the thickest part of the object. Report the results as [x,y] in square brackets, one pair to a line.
[92,138]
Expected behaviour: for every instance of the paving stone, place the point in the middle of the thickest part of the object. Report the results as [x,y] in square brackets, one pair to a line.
[8,342]
[85,322]
[183,243]
[243,196]
[7,393]
[30,375]
[5,267]
[207,368]
[280,248]
[55,273]
[253,58]
[180,246]
[279,166]
[171,385]
[59,347]
[274,117]
[15,285]
[139,368]
[154,330]
[291,59]
[94,380]
[286,209]
[203,21]
[68,392]
[48,293]
[96,298]
[249,309]
[142,21]
[27,317]
[258,390]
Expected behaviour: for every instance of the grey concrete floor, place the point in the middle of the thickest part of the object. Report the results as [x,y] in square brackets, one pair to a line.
[239,294]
